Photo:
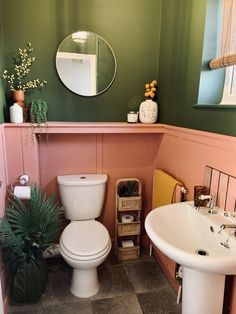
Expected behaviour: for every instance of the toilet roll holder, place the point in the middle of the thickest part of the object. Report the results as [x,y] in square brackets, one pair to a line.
[20,188]
[24,179]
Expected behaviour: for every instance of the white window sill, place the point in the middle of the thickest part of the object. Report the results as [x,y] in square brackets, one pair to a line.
[214,106]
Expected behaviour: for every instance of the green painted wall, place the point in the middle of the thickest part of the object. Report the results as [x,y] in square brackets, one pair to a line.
[131,27]
[181,49]
[2,93]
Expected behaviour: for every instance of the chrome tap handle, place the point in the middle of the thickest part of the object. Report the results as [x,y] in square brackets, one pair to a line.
[212,204]
[224,226]
[226,243]
[212,201]
[204,197]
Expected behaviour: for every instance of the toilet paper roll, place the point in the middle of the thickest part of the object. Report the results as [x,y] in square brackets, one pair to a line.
[127,243]
[22,192]
[127,218]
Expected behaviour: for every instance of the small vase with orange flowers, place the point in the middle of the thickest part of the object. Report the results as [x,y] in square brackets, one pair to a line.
[148,109]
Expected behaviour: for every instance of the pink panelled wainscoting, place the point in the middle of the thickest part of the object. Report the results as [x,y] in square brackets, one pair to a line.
[3,184]
[120,150]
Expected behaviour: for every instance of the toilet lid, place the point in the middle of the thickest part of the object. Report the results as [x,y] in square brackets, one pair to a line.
[85,238]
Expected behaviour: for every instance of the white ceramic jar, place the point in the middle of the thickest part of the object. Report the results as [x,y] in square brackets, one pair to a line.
[132,117]
[148,111]
[16,113]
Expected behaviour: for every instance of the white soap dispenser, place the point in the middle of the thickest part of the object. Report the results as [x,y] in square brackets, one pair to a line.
[16,113]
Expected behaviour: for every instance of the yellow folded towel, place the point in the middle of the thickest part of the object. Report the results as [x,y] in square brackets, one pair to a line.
[163,188]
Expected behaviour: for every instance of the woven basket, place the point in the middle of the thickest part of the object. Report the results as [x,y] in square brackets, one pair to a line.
[126,253]
[132,228]
[129,202]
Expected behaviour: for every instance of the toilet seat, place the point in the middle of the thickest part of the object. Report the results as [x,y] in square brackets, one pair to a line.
[85,240]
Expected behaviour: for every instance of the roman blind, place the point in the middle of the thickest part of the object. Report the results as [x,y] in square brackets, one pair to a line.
[228,37]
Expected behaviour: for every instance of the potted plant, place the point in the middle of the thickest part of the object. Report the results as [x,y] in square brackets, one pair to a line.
[28,228]
[128,188]
[38,116]
[148,110]
[16,78]
[128,194]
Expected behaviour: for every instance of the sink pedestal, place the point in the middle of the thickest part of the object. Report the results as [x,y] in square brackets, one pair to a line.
[203,293]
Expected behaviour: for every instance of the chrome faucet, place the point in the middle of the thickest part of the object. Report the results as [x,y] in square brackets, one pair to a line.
[226,243]
[211,204]
[225,226]
[231,226]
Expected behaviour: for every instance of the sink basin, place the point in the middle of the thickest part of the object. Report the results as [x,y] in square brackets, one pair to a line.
[191,238]
[184,234]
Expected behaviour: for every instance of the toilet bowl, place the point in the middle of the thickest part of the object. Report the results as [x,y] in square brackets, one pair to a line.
[85,251]
[85,242]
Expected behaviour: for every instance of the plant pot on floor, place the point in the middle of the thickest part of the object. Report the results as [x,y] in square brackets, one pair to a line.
[29,281]
[27,229]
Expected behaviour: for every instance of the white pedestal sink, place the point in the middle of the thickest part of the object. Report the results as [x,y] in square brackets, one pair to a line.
[191,238]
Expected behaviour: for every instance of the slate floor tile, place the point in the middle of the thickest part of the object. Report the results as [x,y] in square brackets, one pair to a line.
[146,276]
[126,287]
[119,305]
[162,301]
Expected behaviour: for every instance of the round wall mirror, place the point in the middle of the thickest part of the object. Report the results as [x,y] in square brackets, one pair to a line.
[86,63]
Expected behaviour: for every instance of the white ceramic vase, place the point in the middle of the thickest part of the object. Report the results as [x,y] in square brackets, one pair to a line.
[16,113]
[148,111]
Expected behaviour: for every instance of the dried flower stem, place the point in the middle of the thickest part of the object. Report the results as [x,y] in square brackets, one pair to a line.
[22,66]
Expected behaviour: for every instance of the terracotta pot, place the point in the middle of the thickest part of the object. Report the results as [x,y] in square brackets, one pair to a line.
[19,97]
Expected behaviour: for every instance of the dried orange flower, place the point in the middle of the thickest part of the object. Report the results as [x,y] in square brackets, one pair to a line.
[150,89]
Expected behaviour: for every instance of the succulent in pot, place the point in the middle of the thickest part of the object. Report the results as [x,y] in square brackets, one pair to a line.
[38,116]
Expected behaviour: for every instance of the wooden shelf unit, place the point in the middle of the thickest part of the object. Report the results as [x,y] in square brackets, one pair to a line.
[128,205]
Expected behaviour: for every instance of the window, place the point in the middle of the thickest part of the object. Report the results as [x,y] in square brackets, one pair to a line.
[218,86]
[227,56]
[229,93]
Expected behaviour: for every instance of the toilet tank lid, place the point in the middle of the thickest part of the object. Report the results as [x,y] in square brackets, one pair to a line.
[82,179]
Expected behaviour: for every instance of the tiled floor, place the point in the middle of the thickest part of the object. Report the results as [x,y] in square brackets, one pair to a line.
[131,287]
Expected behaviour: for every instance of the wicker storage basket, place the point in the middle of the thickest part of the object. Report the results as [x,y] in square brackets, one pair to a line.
[126,229]
[126,253]
[129,203]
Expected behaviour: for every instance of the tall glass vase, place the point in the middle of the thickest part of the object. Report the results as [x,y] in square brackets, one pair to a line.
[148,111]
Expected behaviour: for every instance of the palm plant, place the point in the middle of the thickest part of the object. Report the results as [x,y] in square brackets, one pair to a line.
[27,230]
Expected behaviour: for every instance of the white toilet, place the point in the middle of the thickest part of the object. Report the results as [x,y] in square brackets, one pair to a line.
[85,242]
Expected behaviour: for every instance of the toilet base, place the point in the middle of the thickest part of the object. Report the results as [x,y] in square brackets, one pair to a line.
[84,282]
